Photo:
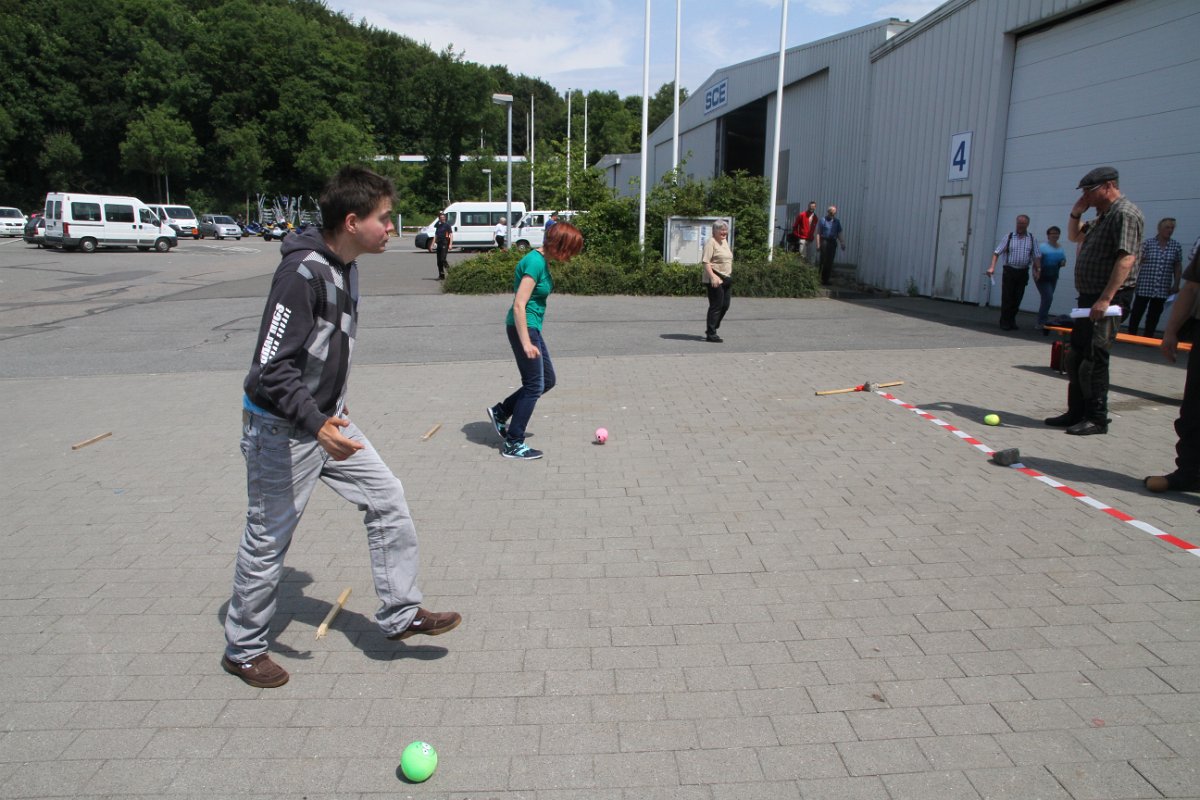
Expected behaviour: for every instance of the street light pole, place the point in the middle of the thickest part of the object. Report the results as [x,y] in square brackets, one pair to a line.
[488,172]
[507,100]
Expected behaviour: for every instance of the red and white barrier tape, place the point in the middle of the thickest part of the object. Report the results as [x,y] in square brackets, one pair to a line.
[1145,527]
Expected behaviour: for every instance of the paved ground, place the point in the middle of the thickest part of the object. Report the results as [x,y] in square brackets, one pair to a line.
[749,592]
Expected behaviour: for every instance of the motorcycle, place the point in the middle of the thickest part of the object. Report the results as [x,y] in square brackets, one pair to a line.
[277,231]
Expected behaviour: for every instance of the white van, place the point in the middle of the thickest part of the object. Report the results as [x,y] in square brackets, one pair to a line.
[531,230]
[474,223]
[181,218]
[87,221]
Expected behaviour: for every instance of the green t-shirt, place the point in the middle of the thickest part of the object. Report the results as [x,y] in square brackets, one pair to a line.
[533,265]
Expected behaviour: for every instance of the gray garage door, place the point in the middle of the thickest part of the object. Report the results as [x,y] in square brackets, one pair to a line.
[1115,86]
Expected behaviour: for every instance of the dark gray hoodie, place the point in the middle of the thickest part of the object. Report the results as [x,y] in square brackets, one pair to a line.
[302,357]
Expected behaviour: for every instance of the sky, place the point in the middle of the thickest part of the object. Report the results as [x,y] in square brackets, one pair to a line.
[597,44]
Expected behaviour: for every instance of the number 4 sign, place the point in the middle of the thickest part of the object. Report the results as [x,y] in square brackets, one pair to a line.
[960,156]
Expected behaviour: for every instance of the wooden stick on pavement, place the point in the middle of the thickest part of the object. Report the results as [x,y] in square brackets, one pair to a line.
[323,628]
[92,440]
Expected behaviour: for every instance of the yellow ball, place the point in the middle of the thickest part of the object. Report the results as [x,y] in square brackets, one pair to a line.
[992,419]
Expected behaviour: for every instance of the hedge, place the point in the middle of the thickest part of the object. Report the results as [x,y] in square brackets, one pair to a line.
[586,274]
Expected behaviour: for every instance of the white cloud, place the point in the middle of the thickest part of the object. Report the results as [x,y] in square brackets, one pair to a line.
[597,44]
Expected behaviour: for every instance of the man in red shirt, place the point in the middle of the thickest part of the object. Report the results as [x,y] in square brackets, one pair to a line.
[804,232]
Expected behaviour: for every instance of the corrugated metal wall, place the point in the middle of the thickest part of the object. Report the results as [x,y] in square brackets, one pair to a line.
[950,73]
[1140,113]
[826,116]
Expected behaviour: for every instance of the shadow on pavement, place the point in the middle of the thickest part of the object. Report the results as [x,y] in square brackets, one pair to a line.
[295,606]
[481,433]
[1069,473]
[976,414]
[682,337]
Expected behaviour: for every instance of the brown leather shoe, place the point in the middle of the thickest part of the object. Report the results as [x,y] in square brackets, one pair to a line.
[430,623]
[259,671]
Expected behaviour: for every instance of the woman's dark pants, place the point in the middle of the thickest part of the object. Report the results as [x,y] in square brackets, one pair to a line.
[537,378]
[718,304]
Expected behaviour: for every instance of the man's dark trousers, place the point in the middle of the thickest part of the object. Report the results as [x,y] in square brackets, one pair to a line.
[1013,291]
[1088,359]
[443,247]
[1187,449]
[828,251]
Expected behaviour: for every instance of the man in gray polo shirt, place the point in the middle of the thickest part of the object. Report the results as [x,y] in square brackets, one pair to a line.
[1105,275]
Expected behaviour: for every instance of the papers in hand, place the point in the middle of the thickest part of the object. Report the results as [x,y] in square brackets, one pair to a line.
[1080,313]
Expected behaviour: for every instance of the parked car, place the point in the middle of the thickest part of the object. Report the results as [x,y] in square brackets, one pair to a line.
[35,230]
[88,221]
[531,230]
[219,226]
[12,221]
[181,219]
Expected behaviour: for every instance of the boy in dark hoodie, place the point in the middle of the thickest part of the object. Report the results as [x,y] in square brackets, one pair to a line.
[296,430]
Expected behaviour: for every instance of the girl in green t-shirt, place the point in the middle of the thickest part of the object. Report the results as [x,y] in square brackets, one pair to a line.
[532,284]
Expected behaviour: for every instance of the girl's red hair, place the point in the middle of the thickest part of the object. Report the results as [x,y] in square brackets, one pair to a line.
[563,242]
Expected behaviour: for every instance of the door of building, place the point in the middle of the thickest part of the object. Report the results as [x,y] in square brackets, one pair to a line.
[950,258]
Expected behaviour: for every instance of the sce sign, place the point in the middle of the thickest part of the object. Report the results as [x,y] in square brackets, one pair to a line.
[716,96]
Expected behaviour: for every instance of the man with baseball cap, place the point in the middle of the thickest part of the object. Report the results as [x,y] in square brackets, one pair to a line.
[1105,275]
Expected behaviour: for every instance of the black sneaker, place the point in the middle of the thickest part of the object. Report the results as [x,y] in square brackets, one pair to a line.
[1062,420]
[712,337]
[519,450]
[496,415]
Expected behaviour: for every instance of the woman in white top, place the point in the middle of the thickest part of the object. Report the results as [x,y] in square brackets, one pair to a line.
[718,276]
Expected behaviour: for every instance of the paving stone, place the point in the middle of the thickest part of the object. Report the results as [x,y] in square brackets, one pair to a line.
[801,762]
[963,752]
[1174,777]
[1016,783]
[930,786]
[956,720]
[671,617]
[882,757]
[1102,780]
[1042,747]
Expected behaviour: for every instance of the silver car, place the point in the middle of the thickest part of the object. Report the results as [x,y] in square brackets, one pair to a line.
[219,226]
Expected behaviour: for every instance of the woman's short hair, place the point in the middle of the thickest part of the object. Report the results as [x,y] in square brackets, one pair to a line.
[721,225]
[563,242]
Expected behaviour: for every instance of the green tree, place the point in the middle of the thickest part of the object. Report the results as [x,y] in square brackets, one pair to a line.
[332,143]
[160,143]
[242,158]
[60,158]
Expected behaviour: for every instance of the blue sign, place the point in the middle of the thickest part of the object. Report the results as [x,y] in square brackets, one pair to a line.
[716,96]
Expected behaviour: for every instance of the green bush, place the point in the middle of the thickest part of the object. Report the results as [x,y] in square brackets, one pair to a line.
[613,263]
[588,274]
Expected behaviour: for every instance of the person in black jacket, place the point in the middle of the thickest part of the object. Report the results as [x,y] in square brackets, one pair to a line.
[296,430]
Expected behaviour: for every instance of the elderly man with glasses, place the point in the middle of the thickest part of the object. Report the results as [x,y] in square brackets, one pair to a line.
[1105,275]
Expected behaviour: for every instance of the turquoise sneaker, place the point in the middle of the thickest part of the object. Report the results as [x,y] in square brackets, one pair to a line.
[496,415]
[519,450]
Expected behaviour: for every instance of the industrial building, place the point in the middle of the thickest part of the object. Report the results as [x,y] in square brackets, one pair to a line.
[932,136]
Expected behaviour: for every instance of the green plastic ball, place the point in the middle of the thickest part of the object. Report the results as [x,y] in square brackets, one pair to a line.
[992,419]
[418,761]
